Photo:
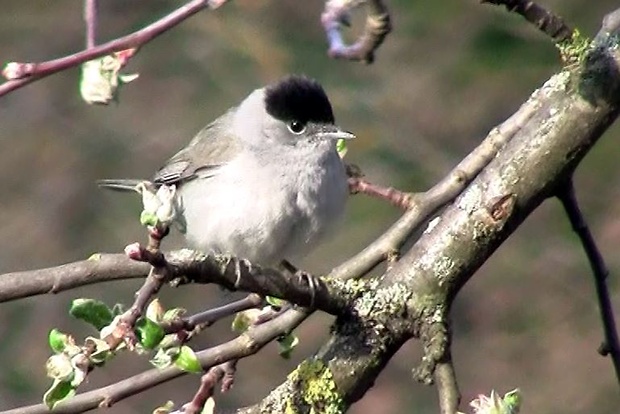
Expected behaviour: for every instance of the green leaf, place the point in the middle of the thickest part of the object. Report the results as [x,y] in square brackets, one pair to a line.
[154,311]
[59,391]
[172,314]
[58,340]
[149,333]
[164,409]
[91,311]
[95,257]
[241,323]
[287,345]
[169,341]
[59,367]
[148,219]
[512,401]
[341,147]
[101,351]
[188,361]
[275,302]
[164,357]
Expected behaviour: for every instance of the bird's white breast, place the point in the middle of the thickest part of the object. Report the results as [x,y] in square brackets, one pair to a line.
[266,209]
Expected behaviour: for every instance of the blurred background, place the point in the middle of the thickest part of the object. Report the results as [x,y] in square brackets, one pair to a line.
[449,72]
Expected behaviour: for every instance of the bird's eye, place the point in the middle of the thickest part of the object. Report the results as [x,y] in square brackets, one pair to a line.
[297,127]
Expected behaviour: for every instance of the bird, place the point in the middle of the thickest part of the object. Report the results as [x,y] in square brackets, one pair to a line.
[263,182]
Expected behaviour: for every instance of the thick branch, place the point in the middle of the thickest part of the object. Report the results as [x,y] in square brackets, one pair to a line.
[236,274]
[99,268]
[574,110]
[189,266]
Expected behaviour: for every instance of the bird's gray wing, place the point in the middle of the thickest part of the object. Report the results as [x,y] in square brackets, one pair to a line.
[213,146]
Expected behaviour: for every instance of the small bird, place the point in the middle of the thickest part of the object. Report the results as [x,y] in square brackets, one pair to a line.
[264,181]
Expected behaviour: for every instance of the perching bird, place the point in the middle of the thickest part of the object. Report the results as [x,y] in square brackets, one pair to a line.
[264,181]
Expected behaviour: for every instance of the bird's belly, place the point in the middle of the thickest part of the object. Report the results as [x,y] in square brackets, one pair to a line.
[233,222]
[263,226]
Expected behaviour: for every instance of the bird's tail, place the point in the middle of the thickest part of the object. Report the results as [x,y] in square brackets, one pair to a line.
[122,184]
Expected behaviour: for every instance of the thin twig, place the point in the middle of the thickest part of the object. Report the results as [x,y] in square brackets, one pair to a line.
[25,73]
[90,18]
[378,25]
[611,345]
[211,316]
[230,368]
[447,387]
[395,197]
[205,390]
[160,273]
[547,22]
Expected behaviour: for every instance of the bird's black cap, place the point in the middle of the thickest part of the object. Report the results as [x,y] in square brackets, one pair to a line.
[298,98]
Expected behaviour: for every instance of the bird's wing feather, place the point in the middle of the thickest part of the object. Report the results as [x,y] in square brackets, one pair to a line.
[213,146]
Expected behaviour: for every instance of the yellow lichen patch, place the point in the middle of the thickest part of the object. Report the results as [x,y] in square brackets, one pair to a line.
[318,389]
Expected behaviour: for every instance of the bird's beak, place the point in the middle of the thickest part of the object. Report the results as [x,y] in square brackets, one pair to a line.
[335,133]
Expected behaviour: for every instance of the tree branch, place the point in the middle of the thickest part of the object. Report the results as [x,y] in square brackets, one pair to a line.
[611,345]
[99,268]
[327,294]
[544,20]
[395,197]
[378,25]
[211,316]
[573,113]
[90,18]
[21,74]
[186,267]
[447,387]
[207,385]
[249,343]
